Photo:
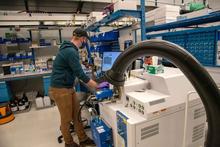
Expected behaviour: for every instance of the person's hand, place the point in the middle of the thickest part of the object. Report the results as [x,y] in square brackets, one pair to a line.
[92,84]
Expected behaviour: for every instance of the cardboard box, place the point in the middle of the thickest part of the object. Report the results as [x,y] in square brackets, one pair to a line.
[168,12]
[164,20]
[125,5]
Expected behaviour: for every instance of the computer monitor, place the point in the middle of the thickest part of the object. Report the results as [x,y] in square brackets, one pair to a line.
[108,59]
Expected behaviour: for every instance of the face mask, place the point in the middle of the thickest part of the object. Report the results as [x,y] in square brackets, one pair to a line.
[83,45]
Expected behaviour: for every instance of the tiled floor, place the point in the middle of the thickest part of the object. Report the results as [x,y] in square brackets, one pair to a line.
[37,128]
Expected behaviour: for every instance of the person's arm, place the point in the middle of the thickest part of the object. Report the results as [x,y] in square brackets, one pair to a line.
[92,84]
[74,62]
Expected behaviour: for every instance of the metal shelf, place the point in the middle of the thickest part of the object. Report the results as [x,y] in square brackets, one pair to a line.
[25,110]
[49,46]
[113,17]
[45,29]
[212,17]
[16,58]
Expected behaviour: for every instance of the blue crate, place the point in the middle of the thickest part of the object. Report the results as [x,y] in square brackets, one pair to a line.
[103,94]
[5,95]
[103,48]
[101,133]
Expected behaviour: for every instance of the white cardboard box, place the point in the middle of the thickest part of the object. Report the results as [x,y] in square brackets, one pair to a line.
[96,16]
[128,5]
[166,11]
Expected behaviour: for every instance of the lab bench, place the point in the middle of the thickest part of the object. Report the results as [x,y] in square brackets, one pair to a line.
[5,91]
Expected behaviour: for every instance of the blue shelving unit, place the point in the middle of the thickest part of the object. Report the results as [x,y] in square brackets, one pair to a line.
[200,42]
[105,37]
[107,41]
[212,17]
[14,41]
[15,58]
[113,17]
[201,45]
[111,36]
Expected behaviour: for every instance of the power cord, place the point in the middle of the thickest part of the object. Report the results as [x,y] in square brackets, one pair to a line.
[86,103]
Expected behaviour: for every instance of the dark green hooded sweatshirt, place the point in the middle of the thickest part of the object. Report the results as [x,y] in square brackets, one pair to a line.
[66,67]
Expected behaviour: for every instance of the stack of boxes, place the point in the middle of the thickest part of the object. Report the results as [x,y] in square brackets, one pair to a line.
[125,5]
[163,14]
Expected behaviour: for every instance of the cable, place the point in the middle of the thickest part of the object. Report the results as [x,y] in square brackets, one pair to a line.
[84,104]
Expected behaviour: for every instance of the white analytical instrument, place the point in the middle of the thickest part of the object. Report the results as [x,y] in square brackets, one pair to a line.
[152,110]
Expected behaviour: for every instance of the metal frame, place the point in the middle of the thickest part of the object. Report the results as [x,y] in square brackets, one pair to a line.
[143,25]
[207,29]
[198,30]
[212,17]
[113,17]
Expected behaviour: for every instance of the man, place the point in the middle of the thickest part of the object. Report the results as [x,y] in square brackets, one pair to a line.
[66,68]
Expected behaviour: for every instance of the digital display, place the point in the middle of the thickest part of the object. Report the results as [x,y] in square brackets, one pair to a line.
[109,59]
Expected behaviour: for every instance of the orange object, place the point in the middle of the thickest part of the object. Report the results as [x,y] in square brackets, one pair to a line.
[6,114]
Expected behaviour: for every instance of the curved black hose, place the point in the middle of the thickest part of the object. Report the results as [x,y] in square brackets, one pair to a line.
[194,71]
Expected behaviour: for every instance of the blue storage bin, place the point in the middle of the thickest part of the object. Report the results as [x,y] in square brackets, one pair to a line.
[46,81]
[101,133]
[4,92]
[201,45]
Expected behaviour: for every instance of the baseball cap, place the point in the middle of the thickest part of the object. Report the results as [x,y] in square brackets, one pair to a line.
[80,32]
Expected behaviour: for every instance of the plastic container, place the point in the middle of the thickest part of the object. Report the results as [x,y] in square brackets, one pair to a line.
[21,105]
[39,102]
[47,101]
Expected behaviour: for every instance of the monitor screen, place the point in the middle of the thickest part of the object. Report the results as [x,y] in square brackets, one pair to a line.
[109,59]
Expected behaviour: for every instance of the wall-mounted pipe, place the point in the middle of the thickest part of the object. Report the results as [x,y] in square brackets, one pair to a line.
[193,70]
